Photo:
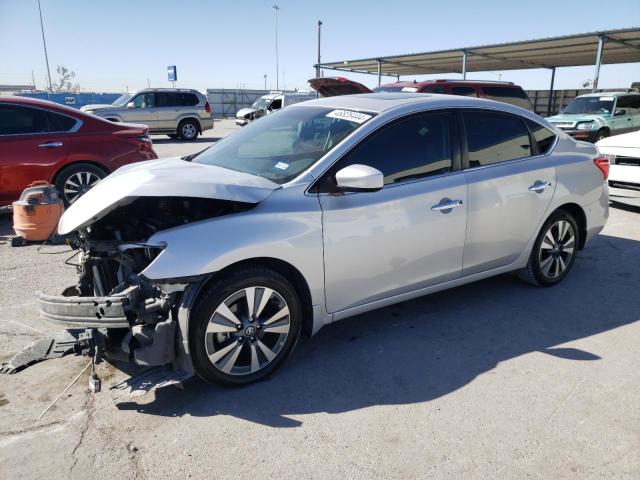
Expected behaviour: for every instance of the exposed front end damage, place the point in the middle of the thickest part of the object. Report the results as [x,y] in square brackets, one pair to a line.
[114,312]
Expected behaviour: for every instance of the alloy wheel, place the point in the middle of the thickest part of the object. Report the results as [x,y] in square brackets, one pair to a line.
[557,249]
[247,331]
[189,130]
[78,184]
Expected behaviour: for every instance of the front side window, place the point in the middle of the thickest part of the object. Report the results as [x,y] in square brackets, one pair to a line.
[19,120]
[415,147]
[281,146]
[276,104]
[433,89]
[144,100]
[464,91]
[495,137]
[594,104]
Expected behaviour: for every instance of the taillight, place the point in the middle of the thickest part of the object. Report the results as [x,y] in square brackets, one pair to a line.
[143,143]
[207,107]
[602,162]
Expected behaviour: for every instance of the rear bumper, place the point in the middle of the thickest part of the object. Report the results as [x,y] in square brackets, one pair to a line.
[206,124]
[84,312]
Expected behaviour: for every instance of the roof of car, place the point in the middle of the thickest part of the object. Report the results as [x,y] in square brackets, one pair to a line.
[608,94]
[441,81]
[380,102]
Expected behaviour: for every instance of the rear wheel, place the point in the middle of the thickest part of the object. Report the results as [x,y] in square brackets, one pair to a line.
[188,130]
[554,251]
[243,326]
[75,180]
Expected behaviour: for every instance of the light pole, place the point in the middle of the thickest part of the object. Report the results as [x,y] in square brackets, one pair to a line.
[44,43]
[265,82]
[318,62]
[276,8]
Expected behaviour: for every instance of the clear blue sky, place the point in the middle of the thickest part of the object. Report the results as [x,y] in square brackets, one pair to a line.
[117,44]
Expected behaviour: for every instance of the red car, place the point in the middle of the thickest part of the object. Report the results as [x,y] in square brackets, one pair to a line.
[41,140]
[506,92]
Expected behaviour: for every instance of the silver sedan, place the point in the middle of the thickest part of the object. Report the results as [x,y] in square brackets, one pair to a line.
[215,264]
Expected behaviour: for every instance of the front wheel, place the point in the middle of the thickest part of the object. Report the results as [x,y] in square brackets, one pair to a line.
[243,326]
[601,135]
[554,251]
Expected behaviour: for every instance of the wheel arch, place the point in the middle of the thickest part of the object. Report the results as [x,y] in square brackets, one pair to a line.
[581,219]
[78,162]
[285,269]
[191,117]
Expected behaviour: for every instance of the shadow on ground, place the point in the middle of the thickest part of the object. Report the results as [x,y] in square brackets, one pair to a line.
[426,348]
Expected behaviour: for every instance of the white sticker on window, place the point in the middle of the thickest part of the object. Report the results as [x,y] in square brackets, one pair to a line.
[350,116]
[281,165]
[604,99]
[409,89]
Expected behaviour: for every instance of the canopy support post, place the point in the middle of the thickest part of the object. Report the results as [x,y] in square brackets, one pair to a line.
[379,72]
[550,103]
[464,64]
[598,61]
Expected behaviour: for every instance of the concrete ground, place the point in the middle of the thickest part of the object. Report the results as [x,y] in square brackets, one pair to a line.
[494,380]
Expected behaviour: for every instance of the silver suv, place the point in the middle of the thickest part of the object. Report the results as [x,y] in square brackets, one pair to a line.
[180,113]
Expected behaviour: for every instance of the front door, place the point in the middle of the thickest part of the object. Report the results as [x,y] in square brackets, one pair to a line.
[408,235]
[145,111]
[509,189]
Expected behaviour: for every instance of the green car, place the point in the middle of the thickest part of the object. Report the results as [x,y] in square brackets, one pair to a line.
[595,116]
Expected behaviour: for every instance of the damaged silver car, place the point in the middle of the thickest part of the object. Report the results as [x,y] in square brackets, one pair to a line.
[214,264]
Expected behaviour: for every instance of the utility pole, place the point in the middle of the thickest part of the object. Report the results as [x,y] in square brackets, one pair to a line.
[276,8]
[318,62]
[265,82]
[44,43]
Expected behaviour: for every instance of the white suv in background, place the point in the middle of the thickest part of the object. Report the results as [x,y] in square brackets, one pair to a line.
[624,171]
[180,113]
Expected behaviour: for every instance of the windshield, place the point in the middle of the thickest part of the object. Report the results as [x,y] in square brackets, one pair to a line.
[260,103]
[284,144]
[590,105]
[122,100]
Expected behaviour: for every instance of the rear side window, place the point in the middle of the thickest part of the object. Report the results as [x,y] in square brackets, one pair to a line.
[464,91]
[513,95]
[19,120]
[630,103]
[415,147]
[495,137]
[61,123]
[166,99]
[543,136]
[188,99]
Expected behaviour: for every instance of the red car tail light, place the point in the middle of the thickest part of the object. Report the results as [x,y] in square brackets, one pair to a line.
[207,107]
[143,142]
[602,162]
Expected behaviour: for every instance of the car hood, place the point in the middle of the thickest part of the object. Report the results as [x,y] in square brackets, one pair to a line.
[171,177]
[96,106]
[572,118]
[626,140]
[243,112]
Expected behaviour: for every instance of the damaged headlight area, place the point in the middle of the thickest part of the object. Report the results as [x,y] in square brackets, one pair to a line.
[114,311]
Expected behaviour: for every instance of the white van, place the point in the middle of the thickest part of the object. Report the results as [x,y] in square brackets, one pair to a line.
[270,103]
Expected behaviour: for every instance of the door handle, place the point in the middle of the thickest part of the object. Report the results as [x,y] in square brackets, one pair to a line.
[539,186]
[50,145]
[446,205]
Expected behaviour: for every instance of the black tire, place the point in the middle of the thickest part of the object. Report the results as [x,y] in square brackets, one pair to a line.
[221,290]
[603,133]
[536,271]
[188,130]
[88,173]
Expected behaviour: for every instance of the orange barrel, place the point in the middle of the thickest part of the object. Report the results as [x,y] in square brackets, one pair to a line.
[36,214]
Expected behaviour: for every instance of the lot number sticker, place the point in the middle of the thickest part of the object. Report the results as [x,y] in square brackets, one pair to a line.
[350,116]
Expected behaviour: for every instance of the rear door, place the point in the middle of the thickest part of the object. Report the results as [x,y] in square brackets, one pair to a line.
[510,186]
[169,110]
[400,238]
[33,142]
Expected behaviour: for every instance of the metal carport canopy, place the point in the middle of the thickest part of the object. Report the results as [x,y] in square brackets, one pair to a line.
[618,46]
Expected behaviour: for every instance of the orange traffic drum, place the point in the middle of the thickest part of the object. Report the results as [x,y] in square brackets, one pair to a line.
[36,214]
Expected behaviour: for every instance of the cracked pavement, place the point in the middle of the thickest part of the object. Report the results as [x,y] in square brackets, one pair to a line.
[495,379]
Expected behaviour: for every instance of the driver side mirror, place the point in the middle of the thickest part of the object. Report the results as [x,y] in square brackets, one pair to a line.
[359,178]
[131,105]
[619,112]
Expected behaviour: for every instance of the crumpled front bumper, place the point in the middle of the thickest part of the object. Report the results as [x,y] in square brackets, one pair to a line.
[85,312]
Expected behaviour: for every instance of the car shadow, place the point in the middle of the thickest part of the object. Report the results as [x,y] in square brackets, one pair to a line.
[424,349]
[6,227]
